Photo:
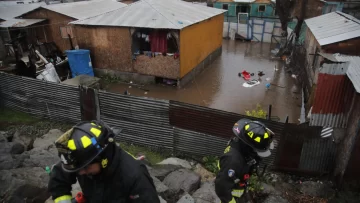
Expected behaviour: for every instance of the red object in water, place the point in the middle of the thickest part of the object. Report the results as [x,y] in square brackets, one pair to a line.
[80,198]
[246,75]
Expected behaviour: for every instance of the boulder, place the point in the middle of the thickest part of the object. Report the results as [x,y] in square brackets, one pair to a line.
[186,199]
[41,158]
[6,161]
[177,162]
[24,183]
[46,141]
[205,174]
[206,193]
[24,140]
[316,189]
[160,187]
[11,147]
[3,138]
[275,199]
[183,179]
[161,171]
[269,189]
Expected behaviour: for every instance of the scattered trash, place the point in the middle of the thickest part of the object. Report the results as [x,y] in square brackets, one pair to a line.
[145,92]
[261,73]
[268,79]
[130,82]
[294,76]
[276,69]
[267,85]
[129,86]
[251,83]
[275,51]
[245,75]
[252,74]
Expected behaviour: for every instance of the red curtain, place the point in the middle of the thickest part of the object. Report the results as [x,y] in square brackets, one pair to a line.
[158,41]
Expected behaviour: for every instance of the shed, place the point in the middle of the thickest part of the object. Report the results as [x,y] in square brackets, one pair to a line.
[59,15]
[169,39]
[330,33]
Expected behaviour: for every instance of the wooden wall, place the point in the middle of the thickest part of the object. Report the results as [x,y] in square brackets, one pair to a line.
[198,41]
[52,29]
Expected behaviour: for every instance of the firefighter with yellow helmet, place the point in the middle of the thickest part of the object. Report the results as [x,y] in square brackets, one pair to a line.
[105,172]
[252,142]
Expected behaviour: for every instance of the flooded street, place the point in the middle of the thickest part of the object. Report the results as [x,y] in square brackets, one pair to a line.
[220,87]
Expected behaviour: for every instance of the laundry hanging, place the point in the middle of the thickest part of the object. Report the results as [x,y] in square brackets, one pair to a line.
[158,41]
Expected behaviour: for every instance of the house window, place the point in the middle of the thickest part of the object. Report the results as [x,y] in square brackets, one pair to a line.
[66,31]
[225,6]
[262,8]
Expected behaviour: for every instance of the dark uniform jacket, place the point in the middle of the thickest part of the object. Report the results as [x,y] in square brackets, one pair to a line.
[125,180]
[233,166]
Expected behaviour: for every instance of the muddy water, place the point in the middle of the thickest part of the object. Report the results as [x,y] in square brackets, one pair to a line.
[220,87]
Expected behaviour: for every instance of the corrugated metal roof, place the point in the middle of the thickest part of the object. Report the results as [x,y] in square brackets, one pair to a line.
[338,57]
[354,73]
[159,14]
[334,27]
[244,1]
[335,68]
[332,100]
[20,22]
[10,12]
[85,9]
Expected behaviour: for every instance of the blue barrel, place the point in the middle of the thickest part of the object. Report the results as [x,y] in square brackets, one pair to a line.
[80,62]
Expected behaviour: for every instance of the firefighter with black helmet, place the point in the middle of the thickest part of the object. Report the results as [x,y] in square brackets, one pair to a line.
[105,172]
[252,142]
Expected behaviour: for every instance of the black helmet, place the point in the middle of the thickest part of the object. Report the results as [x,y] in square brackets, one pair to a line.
[82,144]
[256,135]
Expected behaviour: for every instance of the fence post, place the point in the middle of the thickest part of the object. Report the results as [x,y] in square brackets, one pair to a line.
[269,112]
[89,104]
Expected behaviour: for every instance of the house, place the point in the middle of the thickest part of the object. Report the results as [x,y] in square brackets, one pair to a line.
[336,105]
[253,8]
[334,32]
[168,39]
[59,15]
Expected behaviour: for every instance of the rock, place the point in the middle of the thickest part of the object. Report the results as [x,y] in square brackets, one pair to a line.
[183,179]
[6,161]
[205,174]
[4,134]
[3,137]
[206,193]
[161,171]
[24,183]
[316,189]
[275,199]
[162,200]
[11,147]
[24,140]
[160,187]
[186,199]
[269,189]
[41,158]
[47,140]
[177,162]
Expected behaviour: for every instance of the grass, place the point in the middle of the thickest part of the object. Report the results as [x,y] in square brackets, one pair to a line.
[151,155]
[11,116]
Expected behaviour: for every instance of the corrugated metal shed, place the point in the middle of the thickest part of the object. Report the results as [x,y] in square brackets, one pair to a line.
[10,12]
[354,73]
[333,97]
[334,27]
[19,22]
[85,9]
[158,14]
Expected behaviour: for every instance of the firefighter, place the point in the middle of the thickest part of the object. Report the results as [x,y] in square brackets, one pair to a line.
[105,172]
[252,142]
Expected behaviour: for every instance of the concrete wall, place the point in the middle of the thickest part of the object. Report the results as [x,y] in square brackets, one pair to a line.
[198,41]
[55,21]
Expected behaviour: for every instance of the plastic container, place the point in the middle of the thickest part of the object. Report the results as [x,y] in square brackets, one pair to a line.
[80,62]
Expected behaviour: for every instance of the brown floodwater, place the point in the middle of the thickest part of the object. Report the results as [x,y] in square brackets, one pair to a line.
[220,87]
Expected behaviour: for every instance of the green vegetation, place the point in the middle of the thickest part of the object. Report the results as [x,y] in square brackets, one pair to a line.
[258,112]
[152,155]
[254,184]
[211,163]
[110,78]
[11,116]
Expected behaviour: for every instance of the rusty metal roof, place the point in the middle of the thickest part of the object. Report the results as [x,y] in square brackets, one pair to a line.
[334,27]
[333,99]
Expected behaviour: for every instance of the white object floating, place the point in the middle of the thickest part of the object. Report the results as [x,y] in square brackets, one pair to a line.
[268,79]
[129,86]
[145,92]
[130,82]
[251,83]
[294,76]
